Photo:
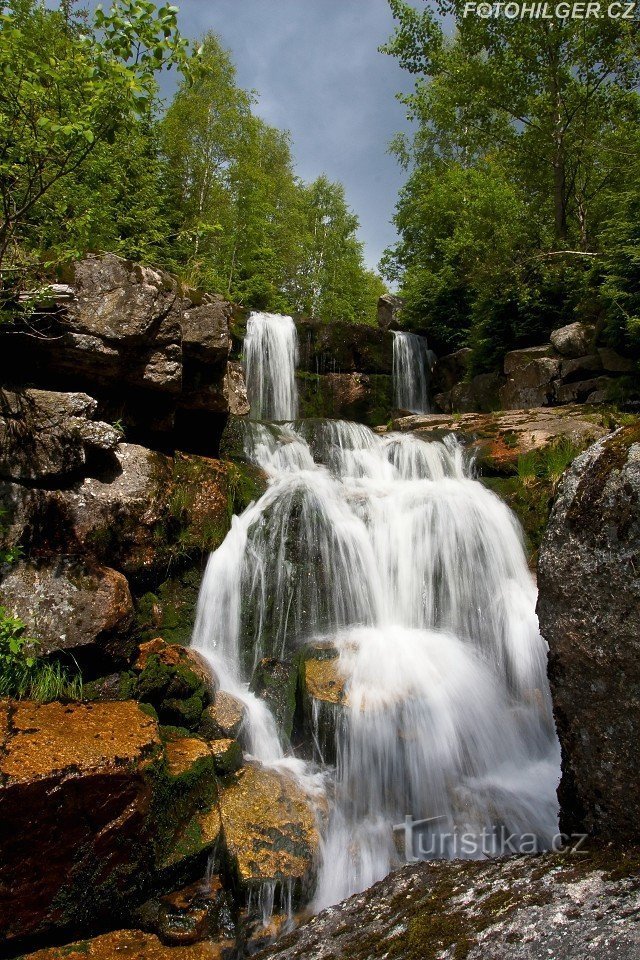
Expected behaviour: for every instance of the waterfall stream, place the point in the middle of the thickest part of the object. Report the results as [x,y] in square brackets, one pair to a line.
[412,362]
[270,358]
[386,550]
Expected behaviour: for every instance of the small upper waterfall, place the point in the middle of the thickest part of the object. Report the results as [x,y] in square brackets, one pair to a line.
[412,361]
[387,551]
[270,357]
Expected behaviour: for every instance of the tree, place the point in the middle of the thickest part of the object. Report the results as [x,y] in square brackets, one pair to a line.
[67,86]
[520,130]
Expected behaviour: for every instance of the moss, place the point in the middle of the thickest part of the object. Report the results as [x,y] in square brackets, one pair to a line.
[183,712]
[530,503]
[584,507]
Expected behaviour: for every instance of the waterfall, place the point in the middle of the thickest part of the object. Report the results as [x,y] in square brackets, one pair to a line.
[385,548]
[270,357]
[412,361]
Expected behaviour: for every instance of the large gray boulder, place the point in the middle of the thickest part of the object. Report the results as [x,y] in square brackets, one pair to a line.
[574,340]
[589,610]
[531,376]
[522,908]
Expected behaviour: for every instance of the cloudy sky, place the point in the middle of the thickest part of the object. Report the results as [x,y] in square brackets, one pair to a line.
[315,66]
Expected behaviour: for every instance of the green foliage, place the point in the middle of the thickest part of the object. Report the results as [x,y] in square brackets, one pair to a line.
[526,132]
[68,87]
[23,674]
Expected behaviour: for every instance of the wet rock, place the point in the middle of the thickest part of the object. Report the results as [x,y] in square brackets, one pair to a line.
[498,439]
[201,911]
[69,606]
[75,800]
[574,340]
[46,435]
[177,682]
[227,756]
[521,908]
[365,398]
[223,719]
[343,347]
[269,827]
[322,680]
[276,681]
[589,610]
[480,393]
[115,686]
[132,944]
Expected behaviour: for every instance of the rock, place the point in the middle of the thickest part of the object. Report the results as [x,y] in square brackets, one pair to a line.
[177,682]
[235,390]
[69,606]
[75,801]
[201,911]
[227,756]
[133,945]
[513,909]
[531,375]
[573,369]
[322,680]
[582,390]
[389,308]
[324,696]
[478,394]
[497,440]
[224,718]
[450,370]
[205,331]
[574,340]
[589,611]
[115,686]
[153,353]
[365,398]
[612,362]
[276,681]
[343,347]
[269,827]
[46,435]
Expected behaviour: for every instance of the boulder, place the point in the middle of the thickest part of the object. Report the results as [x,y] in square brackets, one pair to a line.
[481,393]
[612,362]
[75,803]
[520,908]
[152,352]
[576,368]
[343,347]
[69,606]
[574,340]
[577,391]
[450,369]
[589,611]
[365,398]
[47,436]
[177,682]
[132,944]
[235,390]
[269,827]
[200,911]
[389,308]
[224,718]
[227,756]
[531,375]
[276,681]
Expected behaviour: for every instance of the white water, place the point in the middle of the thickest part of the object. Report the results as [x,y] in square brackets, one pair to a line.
[412,362]
[270,357]
[386,547]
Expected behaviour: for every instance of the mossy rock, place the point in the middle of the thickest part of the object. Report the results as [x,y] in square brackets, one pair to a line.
[276,682]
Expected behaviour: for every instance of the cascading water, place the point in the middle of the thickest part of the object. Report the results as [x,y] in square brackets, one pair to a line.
[412,362]
[385,548]
[270,357]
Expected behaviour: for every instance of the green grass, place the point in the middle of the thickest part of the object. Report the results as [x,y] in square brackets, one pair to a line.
[24,675]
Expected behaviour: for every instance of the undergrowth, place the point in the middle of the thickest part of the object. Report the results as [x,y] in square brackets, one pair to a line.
[24,675]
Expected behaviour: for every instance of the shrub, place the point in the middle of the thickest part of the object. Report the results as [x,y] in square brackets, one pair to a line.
[24,675]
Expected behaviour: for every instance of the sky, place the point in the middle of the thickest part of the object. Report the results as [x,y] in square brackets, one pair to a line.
[316,68]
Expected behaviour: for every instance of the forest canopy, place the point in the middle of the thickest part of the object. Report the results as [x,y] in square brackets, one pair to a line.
[520,209]
[91,160]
